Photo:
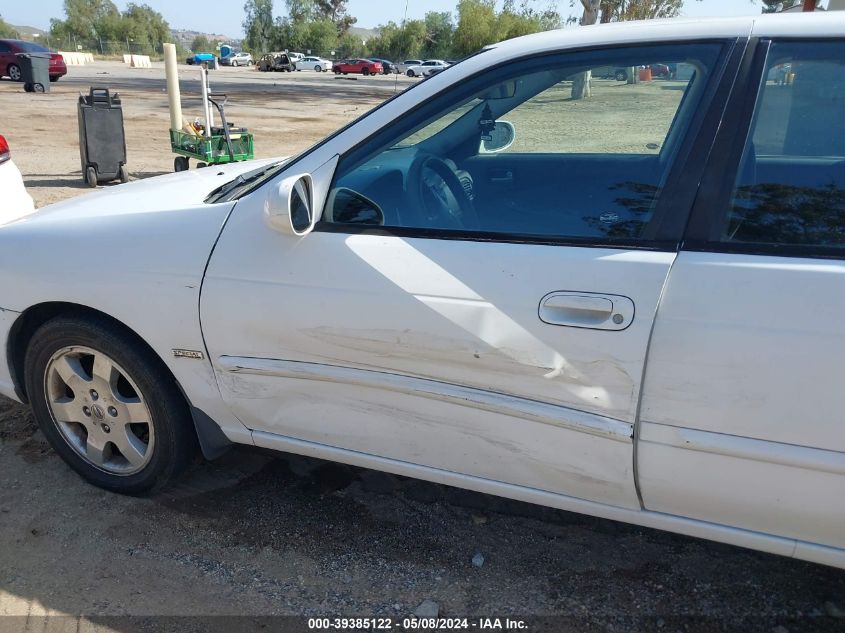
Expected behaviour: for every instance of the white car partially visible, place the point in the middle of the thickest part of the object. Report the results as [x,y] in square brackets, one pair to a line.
[16,201]
[428,67]
[314,63]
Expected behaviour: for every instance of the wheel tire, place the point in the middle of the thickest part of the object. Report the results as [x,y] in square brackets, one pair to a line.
[180,163]
[170,433]
[14,72]
[410,73]
[336,72]
[123,174]
[54,78]
[201,165]
[28,88]
[234,63]
[91,176]
[365,72]
[318,69]
[38,88]
[621,75]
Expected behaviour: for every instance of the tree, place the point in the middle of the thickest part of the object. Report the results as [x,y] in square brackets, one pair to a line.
[301,10]
[145,27]
[476,26]
[399,42]
[258,25]
[439,31]
[335,10]
[98,25]
[581,83]
[88,19]
[350,45]
[202,44]
[619,10]
[771,6]
[6,29]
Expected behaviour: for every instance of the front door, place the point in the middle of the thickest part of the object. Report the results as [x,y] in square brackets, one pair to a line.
[478,297]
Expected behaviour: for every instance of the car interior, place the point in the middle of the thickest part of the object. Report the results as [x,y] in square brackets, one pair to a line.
[444,172]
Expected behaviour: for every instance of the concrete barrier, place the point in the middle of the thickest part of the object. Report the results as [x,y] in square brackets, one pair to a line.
[127,59]
[141,61]
[75,58]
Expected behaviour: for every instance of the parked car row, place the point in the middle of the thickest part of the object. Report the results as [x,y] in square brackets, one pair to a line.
[10,64]
[289,62]
[658,70]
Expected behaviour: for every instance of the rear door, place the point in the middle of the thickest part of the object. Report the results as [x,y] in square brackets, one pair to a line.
[502,345]
[742,407]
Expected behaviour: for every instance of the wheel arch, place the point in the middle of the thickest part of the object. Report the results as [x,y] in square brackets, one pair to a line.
[212,440]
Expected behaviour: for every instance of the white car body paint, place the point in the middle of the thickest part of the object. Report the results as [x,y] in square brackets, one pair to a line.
[156,296]
[16,202]
[739,386]
[415,357]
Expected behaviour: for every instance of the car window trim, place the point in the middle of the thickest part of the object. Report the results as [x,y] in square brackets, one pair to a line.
[720,175]
[662,240]
[675,203]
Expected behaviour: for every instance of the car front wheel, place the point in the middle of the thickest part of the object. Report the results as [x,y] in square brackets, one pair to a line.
[107,405]
[318,69]
[410,73]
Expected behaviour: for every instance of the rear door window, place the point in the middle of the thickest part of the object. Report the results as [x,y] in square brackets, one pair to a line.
[790,189]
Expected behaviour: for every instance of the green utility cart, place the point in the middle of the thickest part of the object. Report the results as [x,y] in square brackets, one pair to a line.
[225,144]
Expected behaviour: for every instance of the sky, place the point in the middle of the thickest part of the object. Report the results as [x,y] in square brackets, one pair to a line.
[225,16]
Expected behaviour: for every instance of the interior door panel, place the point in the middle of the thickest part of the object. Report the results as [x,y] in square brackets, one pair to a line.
[581,193]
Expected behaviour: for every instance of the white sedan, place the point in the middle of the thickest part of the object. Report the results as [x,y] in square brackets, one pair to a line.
[314,63]
[477,285]
[428,67]
[16,202]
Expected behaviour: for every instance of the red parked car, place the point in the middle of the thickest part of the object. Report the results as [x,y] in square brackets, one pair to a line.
[363,66]
[9,67]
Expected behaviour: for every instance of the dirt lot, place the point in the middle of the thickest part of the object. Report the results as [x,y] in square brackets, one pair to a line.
[286,112]
[259,535]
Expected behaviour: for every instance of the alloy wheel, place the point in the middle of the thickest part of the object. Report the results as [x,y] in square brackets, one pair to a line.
[99,410]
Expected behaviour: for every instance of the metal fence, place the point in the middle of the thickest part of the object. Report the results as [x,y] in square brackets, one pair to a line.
[106,48]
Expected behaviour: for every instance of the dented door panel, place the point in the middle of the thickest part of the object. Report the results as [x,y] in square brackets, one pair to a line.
[456,314]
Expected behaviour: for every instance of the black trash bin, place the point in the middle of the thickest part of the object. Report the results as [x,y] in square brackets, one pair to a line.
[102,140]
[35,71]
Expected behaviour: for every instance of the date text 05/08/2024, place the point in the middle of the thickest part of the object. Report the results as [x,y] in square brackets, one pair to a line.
[416,624]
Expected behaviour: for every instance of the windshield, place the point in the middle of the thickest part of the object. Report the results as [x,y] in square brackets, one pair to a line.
[32,47]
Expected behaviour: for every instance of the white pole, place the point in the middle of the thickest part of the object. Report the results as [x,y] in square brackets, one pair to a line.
[171,72]
[206,106]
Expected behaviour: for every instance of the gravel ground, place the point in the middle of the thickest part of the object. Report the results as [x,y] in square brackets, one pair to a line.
[263,535]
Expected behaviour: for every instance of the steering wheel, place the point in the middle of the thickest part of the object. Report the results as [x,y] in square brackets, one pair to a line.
[437,192]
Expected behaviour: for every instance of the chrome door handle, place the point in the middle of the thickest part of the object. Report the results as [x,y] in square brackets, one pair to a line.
[587,310]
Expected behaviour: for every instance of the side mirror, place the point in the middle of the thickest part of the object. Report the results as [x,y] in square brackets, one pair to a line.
[289,208]
[500,138]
